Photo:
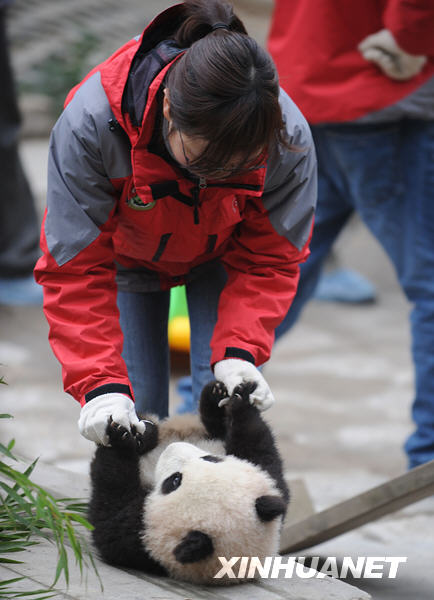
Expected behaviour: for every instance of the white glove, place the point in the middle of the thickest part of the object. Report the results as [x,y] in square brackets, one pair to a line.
[94,416]
[233,371]
[382,49]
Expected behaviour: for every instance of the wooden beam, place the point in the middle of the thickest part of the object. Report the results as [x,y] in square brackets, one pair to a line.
[364,508]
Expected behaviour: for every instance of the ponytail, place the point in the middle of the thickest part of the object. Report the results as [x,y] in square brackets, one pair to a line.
[202,16]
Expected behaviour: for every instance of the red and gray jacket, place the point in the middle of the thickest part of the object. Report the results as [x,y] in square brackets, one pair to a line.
[121,214]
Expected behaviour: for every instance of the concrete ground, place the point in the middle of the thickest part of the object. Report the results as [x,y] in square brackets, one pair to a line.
[343,386]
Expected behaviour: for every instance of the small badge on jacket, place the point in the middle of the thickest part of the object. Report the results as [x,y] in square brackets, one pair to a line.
[136,203]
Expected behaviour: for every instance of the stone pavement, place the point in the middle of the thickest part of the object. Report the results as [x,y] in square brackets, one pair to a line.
[342,381]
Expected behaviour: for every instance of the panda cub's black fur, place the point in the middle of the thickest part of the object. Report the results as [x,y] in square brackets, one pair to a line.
[119,491]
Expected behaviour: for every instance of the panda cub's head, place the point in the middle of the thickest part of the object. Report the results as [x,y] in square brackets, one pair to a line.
[205,506]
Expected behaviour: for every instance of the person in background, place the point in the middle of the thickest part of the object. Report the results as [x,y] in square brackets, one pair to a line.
[19,224]
[338,283]
[362,72]
[176,161]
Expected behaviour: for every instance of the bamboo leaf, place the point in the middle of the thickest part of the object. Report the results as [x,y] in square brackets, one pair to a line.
[10,561]
[82,521]
[9,581]
[62,565]
[75,544]
[30,469]
[6,548]
[92,562]
[4,450]
[12,494]
[74,504]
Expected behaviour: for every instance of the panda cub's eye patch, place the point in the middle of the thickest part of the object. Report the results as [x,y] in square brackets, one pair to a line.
[171,483]
[211,458]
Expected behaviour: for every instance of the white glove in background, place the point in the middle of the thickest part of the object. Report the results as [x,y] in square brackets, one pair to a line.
[233,371]
[94,416]
[382,49]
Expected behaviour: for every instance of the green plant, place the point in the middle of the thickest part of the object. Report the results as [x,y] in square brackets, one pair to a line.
[60,71]
[28,513]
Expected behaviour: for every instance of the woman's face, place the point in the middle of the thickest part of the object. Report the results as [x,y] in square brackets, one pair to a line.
[185,149]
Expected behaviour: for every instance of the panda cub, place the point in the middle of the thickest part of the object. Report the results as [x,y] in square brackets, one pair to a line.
[172,500]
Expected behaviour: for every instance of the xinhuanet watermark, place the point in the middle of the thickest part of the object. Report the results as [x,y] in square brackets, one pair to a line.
[273,567]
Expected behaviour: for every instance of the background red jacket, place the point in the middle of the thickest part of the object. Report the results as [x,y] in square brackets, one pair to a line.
[314,45]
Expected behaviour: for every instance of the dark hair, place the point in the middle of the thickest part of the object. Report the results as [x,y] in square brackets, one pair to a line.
[224,89]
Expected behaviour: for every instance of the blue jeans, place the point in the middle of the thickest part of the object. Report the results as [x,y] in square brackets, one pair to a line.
[144,319]
[385,173]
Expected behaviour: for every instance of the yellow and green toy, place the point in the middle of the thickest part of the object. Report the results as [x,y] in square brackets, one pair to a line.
[179,322]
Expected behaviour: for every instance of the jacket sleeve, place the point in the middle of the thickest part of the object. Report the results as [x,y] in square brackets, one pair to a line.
[412,25]
[263,258]
[77,267]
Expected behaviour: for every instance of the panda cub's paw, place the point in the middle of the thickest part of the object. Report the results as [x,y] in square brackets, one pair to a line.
[212,395]
[240,398]
[219,391]
[147,441]
[132,441]
[119,437]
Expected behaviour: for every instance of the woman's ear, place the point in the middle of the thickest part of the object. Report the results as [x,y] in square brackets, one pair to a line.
[166,105]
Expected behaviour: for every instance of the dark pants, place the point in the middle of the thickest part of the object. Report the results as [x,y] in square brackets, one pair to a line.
[19,227]
[386,174]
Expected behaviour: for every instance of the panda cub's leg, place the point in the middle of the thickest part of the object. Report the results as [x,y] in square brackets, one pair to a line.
[117,498]
[212,416]
[249,437]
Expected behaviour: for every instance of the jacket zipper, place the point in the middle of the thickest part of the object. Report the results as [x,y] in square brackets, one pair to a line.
[195,194]
[202,184]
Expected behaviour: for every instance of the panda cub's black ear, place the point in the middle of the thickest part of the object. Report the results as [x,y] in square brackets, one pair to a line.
[270,507]
[195,546]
